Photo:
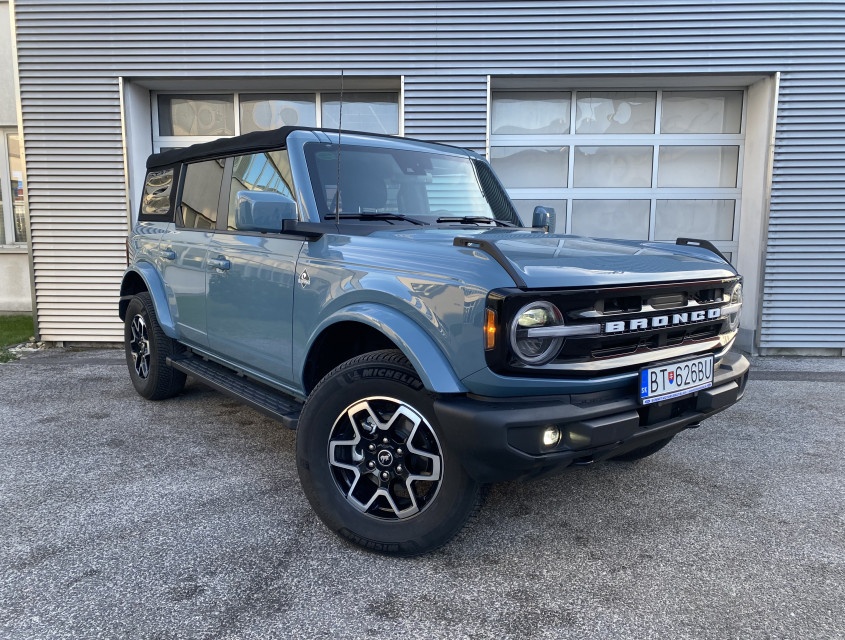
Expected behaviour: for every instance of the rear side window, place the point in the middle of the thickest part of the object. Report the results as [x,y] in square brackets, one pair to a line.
[159,192]
[200,194]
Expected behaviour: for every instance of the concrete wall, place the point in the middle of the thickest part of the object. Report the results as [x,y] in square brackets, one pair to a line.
[15,292]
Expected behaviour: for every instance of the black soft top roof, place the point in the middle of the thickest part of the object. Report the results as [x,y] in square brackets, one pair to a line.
[246,143]
[252,143]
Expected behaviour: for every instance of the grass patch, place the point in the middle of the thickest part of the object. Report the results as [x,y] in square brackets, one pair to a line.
[13,330]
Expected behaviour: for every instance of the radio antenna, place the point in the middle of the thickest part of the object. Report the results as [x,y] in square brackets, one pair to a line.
[339,129]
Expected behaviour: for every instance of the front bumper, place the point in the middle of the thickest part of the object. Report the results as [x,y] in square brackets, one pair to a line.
[501,439]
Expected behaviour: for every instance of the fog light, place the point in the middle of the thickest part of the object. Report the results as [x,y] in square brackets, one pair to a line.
[551,436]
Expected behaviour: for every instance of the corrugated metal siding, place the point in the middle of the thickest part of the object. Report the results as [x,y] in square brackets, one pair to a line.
[75,181]
[804,283]
[448,108]
[71,54]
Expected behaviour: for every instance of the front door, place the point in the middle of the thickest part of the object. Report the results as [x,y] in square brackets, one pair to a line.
[251,275]
[250,300]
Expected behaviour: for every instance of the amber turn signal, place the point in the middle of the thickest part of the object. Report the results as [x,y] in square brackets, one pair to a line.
[490,330]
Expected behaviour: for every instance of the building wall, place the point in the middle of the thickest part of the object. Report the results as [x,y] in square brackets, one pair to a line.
[8,110]
[74,59]
[15,290]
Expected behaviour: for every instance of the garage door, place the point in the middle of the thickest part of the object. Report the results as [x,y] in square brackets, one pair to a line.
[650,164]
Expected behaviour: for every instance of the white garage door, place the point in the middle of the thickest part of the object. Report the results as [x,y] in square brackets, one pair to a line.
[650,164]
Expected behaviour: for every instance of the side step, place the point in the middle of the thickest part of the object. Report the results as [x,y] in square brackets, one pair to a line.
[266,400]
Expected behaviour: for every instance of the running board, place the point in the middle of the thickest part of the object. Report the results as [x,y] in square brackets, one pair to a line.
[258,396]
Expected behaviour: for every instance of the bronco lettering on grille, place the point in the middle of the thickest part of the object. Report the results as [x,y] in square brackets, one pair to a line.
[659,322]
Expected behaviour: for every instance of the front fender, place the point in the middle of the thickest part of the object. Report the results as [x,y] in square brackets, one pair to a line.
[155,286]
[421,350]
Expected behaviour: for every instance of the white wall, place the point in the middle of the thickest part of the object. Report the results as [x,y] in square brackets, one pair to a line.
[15,292]
[753,224]
[8,110]
[138,141]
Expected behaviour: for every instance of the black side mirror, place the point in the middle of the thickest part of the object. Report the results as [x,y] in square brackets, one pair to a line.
[544,218]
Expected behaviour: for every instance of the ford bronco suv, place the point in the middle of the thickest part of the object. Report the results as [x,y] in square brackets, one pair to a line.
[382,297]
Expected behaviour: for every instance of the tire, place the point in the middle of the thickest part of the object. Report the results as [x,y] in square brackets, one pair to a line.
[147,350]
[373,461]
[643,452]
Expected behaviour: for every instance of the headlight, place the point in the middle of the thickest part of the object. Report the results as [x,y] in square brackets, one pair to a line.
[526,333]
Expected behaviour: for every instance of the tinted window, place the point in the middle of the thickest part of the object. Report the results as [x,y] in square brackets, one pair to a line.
[200,194]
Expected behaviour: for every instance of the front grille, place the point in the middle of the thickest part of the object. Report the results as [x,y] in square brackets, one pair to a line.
[633,326]
[600,347]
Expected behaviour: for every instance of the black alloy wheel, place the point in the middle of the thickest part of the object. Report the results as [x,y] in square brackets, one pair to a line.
[147,349]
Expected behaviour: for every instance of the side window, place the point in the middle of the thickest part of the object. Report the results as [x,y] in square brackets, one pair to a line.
[157,201]
[268,172]
[201,193]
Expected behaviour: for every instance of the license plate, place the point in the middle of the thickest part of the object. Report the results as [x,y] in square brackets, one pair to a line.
[668,381]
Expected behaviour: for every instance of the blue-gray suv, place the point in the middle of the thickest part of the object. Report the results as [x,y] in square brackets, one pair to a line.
[382,297]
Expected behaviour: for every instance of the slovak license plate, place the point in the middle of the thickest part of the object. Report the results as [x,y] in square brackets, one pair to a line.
[668,381]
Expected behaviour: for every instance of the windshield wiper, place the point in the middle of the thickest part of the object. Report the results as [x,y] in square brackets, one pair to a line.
[475,220]
[375,215]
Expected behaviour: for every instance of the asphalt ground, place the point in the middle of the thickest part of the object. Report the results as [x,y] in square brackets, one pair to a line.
[122,518]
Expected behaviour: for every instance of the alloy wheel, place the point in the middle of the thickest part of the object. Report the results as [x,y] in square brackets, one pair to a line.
[139,346]
[385,458]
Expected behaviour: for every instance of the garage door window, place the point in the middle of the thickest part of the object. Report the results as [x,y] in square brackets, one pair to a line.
[650,165]
[185,119]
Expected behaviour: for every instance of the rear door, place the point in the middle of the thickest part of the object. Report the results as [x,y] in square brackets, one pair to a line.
[184,250]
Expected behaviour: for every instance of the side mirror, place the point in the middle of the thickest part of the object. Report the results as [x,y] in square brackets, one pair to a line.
[263,211]
[544,217]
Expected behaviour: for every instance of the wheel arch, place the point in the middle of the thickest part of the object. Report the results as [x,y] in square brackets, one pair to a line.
[143,277]
[369,327]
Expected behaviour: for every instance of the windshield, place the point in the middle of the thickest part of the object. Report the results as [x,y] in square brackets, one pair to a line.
[388,183]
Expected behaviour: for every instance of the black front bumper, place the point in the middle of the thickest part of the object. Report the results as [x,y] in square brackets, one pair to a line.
[501,439]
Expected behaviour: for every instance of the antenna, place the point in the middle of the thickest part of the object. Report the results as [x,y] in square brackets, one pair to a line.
[339,129]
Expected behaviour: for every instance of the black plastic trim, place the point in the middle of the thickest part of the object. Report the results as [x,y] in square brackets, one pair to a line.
[492,250]
[704,244]
[499,440]
[266,400]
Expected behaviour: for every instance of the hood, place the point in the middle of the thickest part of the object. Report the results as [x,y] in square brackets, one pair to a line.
[538,260]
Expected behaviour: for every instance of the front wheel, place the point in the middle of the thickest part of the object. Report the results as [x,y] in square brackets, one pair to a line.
[373,461]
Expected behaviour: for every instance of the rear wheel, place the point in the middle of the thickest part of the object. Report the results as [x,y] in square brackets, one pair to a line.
[373,461]
[147,350]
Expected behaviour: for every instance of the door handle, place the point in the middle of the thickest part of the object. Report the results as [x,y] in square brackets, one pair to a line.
[168,254]
[220,263]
